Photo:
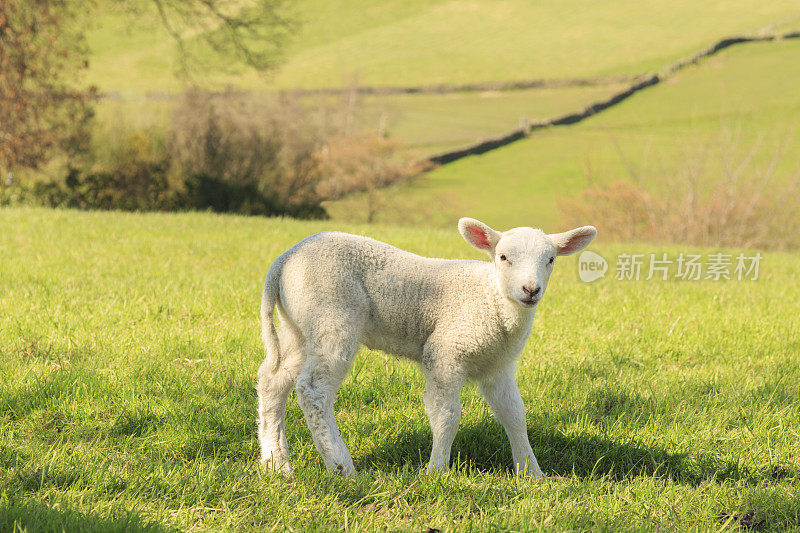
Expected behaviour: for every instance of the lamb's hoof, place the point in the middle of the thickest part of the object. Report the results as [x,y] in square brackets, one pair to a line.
[280,467]
[433,467]
[346,471]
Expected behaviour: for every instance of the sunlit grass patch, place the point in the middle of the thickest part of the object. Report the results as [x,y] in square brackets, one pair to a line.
[130,345]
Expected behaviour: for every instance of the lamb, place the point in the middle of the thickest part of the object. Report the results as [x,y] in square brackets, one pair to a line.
[458,319]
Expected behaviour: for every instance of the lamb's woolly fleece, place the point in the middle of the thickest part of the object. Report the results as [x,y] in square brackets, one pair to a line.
[396,301]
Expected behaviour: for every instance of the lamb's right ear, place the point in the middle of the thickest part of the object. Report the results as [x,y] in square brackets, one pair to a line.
[479,234]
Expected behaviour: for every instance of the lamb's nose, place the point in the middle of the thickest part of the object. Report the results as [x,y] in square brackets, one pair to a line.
[531,292]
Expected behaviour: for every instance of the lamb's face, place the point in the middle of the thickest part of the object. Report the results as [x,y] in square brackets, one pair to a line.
[523,258]
[523,261]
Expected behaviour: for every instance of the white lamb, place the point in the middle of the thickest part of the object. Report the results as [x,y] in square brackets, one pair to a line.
[458,319]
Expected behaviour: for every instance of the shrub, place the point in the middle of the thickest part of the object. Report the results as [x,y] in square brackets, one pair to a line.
[135,177]
[363,164]
[274,156]
[716,197]
[244,154]
[229,152]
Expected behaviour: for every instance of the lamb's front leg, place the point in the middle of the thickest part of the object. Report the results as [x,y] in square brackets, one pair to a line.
[443,407]
[502,394]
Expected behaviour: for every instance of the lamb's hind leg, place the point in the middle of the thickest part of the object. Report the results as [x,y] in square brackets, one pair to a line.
[273,391]
[328,359]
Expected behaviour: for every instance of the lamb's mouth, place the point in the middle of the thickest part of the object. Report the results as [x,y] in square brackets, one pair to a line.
[529,302]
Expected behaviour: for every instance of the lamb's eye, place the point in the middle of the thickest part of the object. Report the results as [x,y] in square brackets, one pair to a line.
[503,257]
[551,260]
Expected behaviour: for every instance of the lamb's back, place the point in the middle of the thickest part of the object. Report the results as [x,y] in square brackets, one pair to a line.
[405,296]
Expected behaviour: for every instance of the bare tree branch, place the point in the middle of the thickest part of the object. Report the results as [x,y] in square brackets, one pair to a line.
[250,33]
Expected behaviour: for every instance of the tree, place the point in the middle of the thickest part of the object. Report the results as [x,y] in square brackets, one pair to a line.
[251,33]
[41,51]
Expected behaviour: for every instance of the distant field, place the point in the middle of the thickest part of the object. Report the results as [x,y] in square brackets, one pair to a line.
[342,42]
[424,123]
[433,123]
[745,100]
[129,350]
[415,42]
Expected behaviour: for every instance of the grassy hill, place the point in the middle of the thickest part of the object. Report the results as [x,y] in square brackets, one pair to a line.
[748,90]
[129,350]
[744,100]
[433,123]
[415,42]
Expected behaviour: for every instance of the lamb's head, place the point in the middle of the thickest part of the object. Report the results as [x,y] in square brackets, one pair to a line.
[523,258]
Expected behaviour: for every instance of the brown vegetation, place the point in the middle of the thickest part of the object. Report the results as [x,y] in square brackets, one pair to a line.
[717,197]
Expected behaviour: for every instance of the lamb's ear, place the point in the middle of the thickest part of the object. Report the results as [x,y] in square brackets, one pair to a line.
[479,234]
[574,240]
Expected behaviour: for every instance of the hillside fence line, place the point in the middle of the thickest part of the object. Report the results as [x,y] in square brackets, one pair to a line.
[638,84]
[438,88]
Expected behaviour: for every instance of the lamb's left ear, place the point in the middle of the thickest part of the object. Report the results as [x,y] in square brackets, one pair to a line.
[479,234]
[574,240]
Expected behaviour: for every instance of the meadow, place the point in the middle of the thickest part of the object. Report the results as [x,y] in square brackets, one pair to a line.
[425,124]
[429,124]
[130,345]
[726,109]
[337,43]
[738,106]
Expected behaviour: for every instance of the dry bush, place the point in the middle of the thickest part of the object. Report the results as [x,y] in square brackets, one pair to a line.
[718,196]
[230,152]
[261,148]
[362,164]
[288,156]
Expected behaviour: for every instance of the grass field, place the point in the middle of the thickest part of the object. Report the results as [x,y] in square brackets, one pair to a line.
[414,42]
[742,100]
[129,351]
[433,123]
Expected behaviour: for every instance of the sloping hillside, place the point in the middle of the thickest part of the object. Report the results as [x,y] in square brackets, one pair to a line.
[411,42]
[748,89]
[743,99]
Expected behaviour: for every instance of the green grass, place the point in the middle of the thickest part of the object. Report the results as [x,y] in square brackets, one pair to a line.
[434,123]
[414,42]
[452,41]
[130,345]
[742,100]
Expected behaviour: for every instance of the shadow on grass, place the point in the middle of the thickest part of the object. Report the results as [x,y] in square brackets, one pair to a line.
[34,516]
[484,447]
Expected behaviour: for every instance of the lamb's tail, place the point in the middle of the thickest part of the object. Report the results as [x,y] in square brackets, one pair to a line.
[269,299]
